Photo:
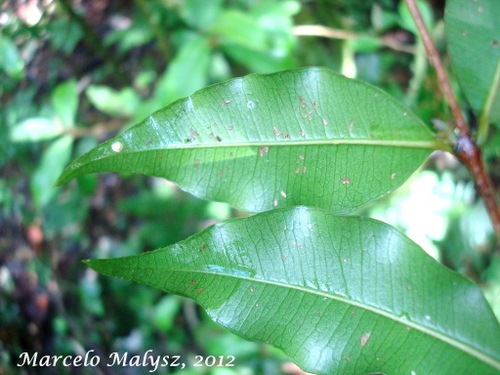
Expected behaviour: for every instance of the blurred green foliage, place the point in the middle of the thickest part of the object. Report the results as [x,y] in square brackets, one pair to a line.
[72,74]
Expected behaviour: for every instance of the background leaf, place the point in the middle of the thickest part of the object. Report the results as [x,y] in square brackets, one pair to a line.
[263,141]
[201,13]
[35,129]
[65,102]
[121,103]
[52,163]
[192,60]
[473,36]
[339,295]
[10,59]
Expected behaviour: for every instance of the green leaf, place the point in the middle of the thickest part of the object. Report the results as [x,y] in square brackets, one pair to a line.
[35,129]
[340,295]
[407,21]
[193,61]
[306,136]
[165,311]
[256,61]
[65,102]
[64,34]
[473,36]
[201,13]
[10,59]
[53,160]
[237,28]
[121,103]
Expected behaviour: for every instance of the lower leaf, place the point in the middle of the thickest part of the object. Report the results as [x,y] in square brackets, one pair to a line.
[339,295]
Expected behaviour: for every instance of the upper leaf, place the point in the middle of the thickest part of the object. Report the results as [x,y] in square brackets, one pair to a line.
[299,137]
[473,36]
[340,295]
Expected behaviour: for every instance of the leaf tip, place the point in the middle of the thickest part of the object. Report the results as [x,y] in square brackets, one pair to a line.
[105,266]
[93,263]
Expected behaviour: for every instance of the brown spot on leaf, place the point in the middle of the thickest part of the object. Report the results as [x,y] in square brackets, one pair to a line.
[364,339]
[303,102]
[263,150]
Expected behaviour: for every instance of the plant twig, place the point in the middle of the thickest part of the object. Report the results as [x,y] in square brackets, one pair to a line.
[98,130]
[465,149]
[328,32]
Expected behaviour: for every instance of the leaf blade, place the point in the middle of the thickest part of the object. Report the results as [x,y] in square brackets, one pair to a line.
[234,136]
[337,294]
[473,37]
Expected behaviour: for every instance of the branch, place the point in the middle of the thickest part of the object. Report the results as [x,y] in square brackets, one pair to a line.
[328,32]
[465,149]
[97,130]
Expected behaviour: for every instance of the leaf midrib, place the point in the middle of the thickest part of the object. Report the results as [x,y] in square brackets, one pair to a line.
[483,357]
[431,144]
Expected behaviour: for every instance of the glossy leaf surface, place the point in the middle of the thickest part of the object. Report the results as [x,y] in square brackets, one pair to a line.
[473,36]
[340,295]
[299,137]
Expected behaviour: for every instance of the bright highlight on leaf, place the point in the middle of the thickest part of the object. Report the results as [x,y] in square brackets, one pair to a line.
[266,141]
[340,295]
